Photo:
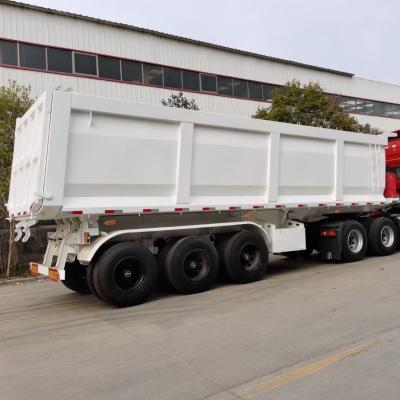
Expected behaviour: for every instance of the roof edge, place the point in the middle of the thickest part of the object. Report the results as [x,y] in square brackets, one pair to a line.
[172,37]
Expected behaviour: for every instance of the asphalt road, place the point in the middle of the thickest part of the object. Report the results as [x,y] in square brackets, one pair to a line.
[307,331]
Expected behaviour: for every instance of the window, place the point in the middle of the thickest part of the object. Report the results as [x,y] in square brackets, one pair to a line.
[378,108]
[85,64]
[109,67]
[361,105]
[239,88]
[369,107]
[348,104]
[396,110]
[152,74]
[267,91]
[173,78]
[8,53]
[190,80]
[225,86]
[387,109]
[255,90]
[208,83]
[131,71]
[59,60]
[32,56]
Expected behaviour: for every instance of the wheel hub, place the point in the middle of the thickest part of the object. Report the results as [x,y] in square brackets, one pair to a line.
[195,265]
[387,236]
[129,273]
[355,241]
[249,257]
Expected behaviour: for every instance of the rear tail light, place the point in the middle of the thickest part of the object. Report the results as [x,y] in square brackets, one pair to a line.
[328,233]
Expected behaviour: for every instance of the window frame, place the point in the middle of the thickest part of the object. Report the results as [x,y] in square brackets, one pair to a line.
[107,77]
[28,66]
[82,73]
[56,71]
[141,71]
[17,52]
[228,84]
[201,83]
[162,75]
[180,75]
[198,90]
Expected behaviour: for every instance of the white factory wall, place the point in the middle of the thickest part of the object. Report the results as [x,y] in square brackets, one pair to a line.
[64,31]
[57,30]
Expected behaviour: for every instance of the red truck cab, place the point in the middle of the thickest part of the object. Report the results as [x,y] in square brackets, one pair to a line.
[393,166]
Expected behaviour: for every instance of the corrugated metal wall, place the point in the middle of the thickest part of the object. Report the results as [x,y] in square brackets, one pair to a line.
[40,27]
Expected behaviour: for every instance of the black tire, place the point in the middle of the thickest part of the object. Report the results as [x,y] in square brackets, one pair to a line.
[383,236]
[354,241]
[162,256]
[192,265]
[245,257]
[90,280]
[75,278]
[220,245]
[125,274]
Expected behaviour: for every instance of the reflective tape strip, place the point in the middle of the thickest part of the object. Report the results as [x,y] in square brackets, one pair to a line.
[54,274]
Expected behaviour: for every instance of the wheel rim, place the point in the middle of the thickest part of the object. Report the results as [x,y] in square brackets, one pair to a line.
[250,257]
[196,265]
[355,241]
[129,273]
[387,236]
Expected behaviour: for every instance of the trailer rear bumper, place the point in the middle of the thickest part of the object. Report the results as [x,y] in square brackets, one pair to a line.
[53,274]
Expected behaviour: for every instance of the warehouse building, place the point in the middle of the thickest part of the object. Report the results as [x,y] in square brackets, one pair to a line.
[45,48]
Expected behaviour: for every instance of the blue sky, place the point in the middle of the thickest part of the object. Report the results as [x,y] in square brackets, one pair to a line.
[358,36]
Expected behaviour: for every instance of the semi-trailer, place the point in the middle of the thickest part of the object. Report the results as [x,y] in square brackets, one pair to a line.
[138,192]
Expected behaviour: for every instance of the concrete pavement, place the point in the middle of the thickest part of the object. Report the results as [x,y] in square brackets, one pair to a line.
[307,331]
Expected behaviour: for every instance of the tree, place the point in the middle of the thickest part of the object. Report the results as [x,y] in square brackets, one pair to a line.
[180,101]
[309,105]
[14,102]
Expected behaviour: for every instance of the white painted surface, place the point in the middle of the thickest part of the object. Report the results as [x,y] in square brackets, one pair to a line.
[106,154]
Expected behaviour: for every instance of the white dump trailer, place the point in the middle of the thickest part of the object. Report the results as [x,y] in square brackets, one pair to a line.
[137,191]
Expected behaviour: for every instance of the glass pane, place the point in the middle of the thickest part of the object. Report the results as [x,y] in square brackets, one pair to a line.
[255,90]
[396,110]
[225,86]
[32,56]
[369,107]
[85,64]
[59,60]
[172,78]
[190,80]
[378,107]
[131,71]
[387,110]
[267,91]
[152,74]
[109,67]
[208,83]
[240,88]
[8,53]
[348,104]
[360,105]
